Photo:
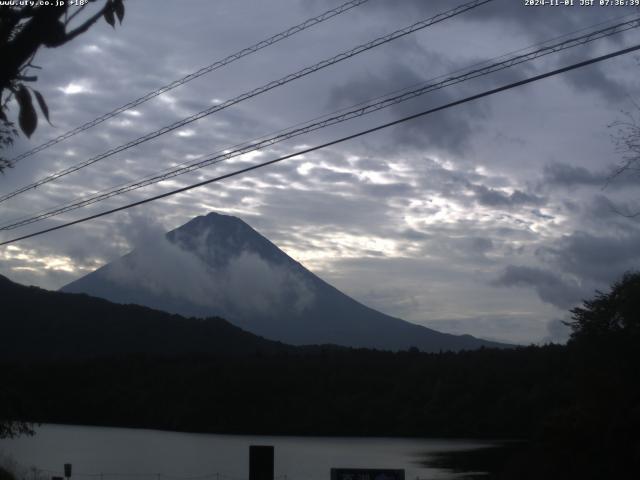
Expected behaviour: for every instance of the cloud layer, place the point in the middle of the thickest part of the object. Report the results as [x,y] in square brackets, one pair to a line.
[493,217]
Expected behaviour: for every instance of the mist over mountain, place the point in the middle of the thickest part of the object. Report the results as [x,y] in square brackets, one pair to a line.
[217,265]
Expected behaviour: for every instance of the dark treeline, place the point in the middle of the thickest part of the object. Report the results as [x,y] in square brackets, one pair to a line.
[489,393]
[577,407]
[37,324]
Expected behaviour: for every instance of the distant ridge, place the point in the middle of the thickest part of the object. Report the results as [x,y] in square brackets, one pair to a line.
[40,324]
[217,265]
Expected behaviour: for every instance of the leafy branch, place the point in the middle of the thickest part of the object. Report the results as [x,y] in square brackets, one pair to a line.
[23,30]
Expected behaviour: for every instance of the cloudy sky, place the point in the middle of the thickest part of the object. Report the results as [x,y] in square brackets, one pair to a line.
[491,218]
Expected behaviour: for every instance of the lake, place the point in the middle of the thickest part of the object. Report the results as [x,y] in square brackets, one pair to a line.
[99,453]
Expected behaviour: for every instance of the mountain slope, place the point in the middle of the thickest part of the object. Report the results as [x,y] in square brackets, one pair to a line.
[219,265]
[37,323]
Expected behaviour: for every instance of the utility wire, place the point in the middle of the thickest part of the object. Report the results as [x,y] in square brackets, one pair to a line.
[192,76]
[265,88]
[335,142]
[396,92]
[292,132]
[363,109]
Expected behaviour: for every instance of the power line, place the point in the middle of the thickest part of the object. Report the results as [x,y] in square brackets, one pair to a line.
[287,134]
[335,142]
[192,76]
[265,88]
[98,195]
[365,109]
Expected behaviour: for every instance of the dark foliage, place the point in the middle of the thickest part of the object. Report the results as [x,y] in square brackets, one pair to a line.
[13,428]
[347,392]
[24,29]
[612,316]
[45,325]
[576,406]
[38,325]
[5,475]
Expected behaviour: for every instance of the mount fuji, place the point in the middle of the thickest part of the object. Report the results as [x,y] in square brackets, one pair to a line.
[217,265]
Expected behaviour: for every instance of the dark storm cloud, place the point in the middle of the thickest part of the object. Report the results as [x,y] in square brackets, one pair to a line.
[602,210]
[414,235]
[598,81]
[465,186]
[494,198]
[511,15]
[605,215]
[471,250]
[386,190]
[597,258]
[434,173]
[549,286]
[568,175]
[538,25]
[372,165]
[448,131]
[480,245]
[331,176]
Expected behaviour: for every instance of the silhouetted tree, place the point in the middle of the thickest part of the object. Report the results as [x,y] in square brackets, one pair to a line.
[14,428]
[12,422]
[626,137]
[23,30]
[602,424]
[610,315]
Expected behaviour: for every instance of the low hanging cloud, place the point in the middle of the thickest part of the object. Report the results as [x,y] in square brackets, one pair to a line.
[550,287]
[597,258]
[246,284]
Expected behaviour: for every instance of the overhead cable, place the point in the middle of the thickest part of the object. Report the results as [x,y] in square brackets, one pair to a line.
[198,73]
[252,93]
[361,110]
[334,142]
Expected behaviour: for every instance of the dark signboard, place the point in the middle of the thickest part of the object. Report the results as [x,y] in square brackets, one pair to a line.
[366,474]
[260,462]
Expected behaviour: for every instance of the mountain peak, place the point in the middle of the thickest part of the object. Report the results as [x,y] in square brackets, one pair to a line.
[216,239]
[217,265]
[213,220]
[220,219]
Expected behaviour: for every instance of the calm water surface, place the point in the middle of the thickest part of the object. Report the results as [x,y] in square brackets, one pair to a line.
[131,454]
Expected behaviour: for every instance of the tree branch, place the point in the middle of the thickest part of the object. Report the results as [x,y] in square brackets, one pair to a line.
[85,26]
[74,14]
